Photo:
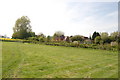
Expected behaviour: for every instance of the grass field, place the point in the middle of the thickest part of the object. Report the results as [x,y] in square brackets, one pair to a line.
[24,60]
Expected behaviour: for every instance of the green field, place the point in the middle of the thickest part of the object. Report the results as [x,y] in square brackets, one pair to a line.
[23,60]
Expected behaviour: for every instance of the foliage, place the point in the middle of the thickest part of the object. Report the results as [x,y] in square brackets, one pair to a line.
[58,33]
[31,34]
[114,36]
[58,36]
[105,37]
[88,41]
[67,39]
[97,40]
[33,39]
[49,38]
[76,44]
[22,28]
[42,39]
[40,35]
[77,38]
[95,34]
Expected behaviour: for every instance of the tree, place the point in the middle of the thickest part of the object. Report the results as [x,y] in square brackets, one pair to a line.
[59,35]
[95,34]
[32,34]
[48,38]
[90,37]
[40,35]
[77,38]
[22,28]
[114,36]
[42,39]
[67,39]
[33,39]
[97,40]
[105,37]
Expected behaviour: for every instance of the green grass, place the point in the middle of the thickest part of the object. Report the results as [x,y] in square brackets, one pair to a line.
[22,60]
[0,60]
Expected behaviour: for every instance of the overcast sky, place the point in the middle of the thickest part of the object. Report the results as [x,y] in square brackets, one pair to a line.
[70,16]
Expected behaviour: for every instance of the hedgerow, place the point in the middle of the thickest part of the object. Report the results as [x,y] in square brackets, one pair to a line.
[93,46]
[66,44]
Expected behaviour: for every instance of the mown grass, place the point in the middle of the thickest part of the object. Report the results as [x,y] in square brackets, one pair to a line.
[23,60]
[0,60]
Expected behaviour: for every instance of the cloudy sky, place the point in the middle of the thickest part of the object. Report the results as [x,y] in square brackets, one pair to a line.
[70,16]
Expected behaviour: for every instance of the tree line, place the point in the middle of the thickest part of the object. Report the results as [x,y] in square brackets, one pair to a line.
[23,30]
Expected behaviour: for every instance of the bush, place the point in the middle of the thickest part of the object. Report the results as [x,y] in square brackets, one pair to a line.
[92,46]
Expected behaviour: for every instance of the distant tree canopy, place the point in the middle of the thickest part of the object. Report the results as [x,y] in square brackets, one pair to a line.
[22,28]
[95,34]
[77,38]
[58,33]
[97,40]
[114,36]
[41,35]
[105,37]
[48,38]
